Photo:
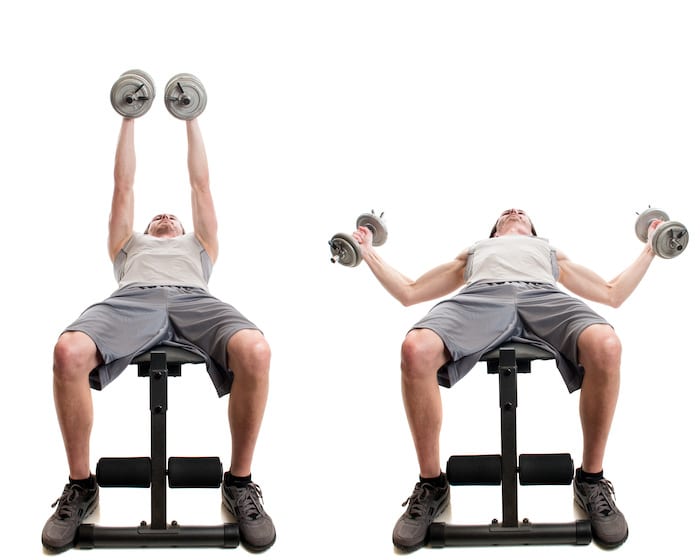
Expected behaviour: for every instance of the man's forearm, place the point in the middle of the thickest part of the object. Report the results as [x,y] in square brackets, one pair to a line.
[197,163]
[125,157]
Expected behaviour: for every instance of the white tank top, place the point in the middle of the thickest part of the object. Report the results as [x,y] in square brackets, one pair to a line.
[512,258]
[146,260]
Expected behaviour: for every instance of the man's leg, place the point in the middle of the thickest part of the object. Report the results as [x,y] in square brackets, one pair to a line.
[599,353]
[75,356]
[249,360]
[422,354]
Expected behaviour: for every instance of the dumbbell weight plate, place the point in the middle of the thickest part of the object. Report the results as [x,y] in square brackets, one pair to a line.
[641,226]
[185,97]
[345,250]
[132,94]
[669,239]
[375,224]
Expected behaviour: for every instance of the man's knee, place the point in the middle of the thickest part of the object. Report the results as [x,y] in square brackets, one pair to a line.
[249,353]
[258,352]
[422,353]
[74,356]
[600,348]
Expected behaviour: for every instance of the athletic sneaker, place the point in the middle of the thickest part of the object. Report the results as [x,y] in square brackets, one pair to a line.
[597,500]
[424,505]
[255,527]
[74,505]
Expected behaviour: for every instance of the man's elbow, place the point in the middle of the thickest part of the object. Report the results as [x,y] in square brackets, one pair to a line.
[200,184]
[615,300]
[407,297]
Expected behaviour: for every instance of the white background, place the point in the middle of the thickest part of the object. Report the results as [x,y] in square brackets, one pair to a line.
[441,114]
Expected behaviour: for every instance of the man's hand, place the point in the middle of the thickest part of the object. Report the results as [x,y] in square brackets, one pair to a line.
[650,232]
[363,235]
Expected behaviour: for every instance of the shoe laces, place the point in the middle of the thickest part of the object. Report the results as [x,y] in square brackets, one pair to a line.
[248,501]
[418,500]
[601,498]
[65,502]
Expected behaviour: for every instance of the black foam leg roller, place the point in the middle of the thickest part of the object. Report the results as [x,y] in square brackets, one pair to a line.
[194,472]
[552,468]
[124,472]
[474,470]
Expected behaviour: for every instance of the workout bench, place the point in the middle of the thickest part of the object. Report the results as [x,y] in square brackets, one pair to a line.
[158,364]
[504,469]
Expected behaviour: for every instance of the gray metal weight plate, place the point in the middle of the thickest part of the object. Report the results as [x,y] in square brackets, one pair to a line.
[345,250]
[641,226]
[376,225]
[185,97]
[669,239]
[132,94]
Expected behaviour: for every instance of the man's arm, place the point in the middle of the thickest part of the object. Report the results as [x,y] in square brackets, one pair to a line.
[203,212]
[435,283]
[587,284]
[121,217]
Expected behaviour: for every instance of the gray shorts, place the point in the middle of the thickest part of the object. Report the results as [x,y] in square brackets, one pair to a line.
[134,319]
[483,316]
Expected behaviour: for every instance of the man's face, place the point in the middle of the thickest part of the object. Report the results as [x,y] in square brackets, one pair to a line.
[165,225]
[514,218]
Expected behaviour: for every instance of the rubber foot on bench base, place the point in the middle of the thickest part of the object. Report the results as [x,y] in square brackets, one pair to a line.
[94,536]
[574,533]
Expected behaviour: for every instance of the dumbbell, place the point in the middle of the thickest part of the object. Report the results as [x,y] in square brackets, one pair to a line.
[185,96]
[132,94]
[668,240]
[345,249]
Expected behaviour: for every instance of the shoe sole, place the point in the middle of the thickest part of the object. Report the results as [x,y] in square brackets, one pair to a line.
[408,549]
[611,546]
[253,548]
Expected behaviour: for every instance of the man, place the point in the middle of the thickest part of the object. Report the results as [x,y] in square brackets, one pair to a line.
[510,293]
[162,297]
